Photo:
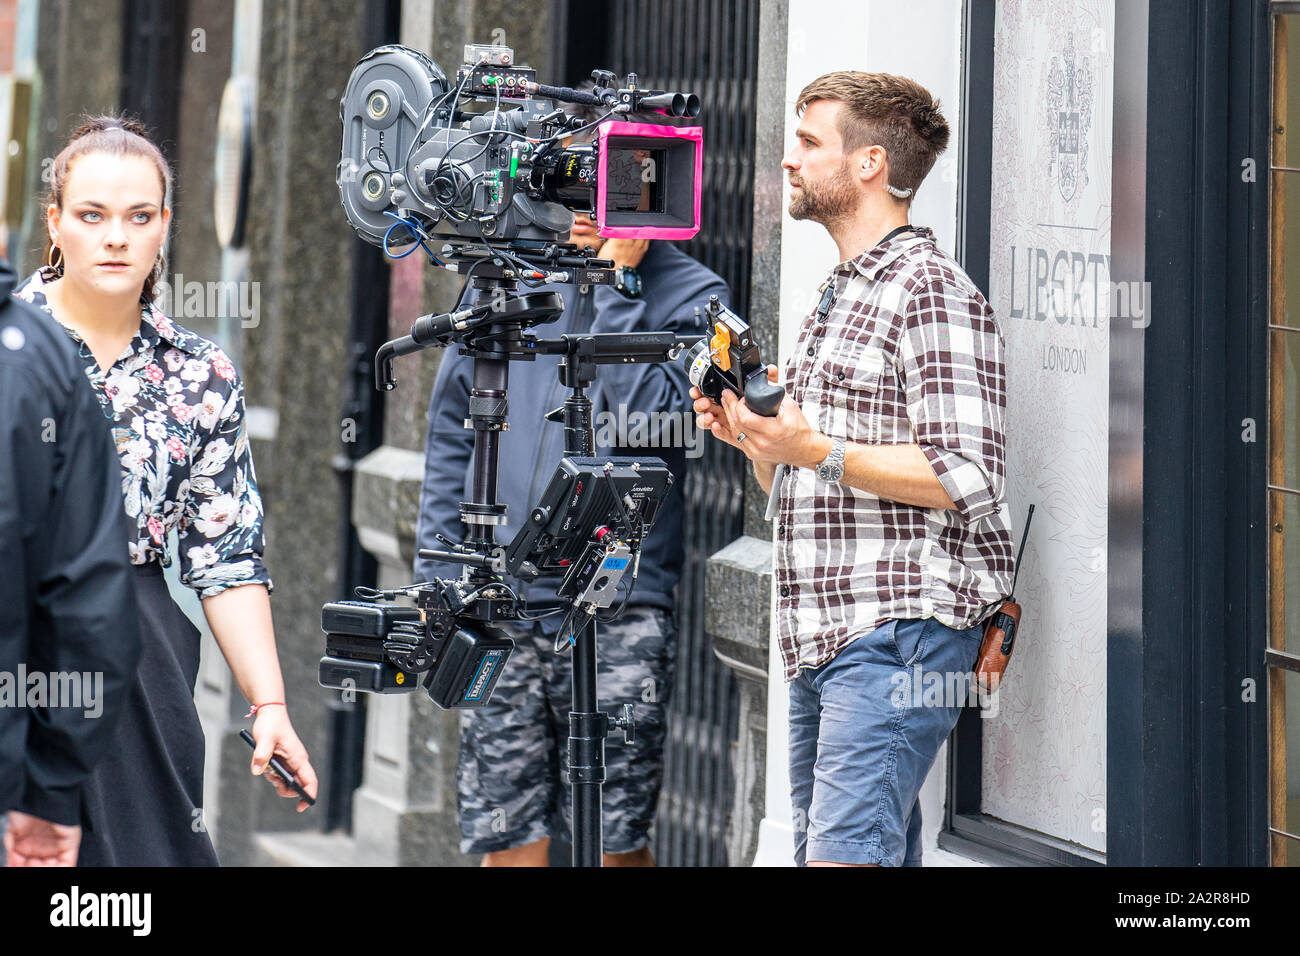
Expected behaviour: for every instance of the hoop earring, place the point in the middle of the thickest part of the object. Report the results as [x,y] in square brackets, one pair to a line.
[49,255]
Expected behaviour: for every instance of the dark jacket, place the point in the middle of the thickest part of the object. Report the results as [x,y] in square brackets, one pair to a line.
[673,285]
[67,598]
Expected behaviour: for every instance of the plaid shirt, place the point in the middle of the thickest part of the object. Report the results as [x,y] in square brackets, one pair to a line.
[909,353]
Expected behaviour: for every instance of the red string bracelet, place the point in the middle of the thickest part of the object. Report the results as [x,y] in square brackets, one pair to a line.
[254,708]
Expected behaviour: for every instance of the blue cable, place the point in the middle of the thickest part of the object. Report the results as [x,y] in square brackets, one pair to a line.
[415,234]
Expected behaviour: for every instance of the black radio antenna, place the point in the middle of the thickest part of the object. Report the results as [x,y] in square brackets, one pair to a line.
[1024,537]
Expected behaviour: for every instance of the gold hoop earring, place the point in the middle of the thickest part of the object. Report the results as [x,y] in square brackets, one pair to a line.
[49,255]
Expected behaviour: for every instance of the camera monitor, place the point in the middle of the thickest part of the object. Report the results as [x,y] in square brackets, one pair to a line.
[584,494]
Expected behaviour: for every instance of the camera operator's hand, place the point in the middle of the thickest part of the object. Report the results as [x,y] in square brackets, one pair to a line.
[627,253]
[786,438]
[31,841]
[274,735]
[712,417]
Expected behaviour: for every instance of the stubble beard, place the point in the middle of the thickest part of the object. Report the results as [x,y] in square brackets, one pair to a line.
[827,203]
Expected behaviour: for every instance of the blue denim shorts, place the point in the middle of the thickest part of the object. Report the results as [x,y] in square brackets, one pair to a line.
[865,728]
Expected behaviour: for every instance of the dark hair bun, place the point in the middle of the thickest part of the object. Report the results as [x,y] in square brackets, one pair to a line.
[101,124]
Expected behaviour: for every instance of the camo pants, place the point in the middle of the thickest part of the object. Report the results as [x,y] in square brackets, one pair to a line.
[511,780]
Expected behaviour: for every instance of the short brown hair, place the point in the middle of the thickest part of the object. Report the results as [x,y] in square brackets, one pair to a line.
[881,109]
[118,136]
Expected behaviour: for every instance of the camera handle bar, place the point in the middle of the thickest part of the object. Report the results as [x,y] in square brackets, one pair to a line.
[491,331]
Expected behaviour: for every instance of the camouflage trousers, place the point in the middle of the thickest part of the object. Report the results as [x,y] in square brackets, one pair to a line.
[511,781]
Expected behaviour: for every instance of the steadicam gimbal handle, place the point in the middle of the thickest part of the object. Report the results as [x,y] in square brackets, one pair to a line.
[763,397]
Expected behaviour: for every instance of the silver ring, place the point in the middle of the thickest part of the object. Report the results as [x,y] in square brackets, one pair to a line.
[740,436]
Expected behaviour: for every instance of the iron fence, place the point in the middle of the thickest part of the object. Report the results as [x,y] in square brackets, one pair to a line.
[709,47]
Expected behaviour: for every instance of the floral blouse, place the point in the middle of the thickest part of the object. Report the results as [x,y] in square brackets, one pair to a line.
[177,408]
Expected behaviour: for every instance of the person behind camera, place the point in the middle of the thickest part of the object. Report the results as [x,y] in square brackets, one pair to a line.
[512,798]
[888,453]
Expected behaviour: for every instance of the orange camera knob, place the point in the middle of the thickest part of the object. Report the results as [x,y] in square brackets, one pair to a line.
[720,347]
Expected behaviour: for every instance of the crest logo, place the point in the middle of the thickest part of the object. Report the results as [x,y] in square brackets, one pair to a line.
[1069,117]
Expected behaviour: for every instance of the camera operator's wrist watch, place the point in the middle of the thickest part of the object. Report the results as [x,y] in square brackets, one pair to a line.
[832,467]
[628,281]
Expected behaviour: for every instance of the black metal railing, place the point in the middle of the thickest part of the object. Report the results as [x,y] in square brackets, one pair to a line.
[709,47]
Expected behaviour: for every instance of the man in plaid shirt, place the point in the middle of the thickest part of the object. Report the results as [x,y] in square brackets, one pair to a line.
[888,461]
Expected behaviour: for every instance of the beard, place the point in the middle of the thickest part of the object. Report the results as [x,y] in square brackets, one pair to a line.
[826,202]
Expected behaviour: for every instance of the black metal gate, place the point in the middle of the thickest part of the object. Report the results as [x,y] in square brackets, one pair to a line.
[709,47]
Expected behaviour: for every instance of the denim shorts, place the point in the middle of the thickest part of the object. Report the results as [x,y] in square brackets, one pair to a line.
[865,728]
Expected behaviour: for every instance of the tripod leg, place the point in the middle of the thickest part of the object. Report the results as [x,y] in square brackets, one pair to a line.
[588,728]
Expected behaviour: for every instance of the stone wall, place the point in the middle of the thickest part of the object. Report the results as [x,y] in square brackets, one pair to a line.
[78,70]
[739,579]
[294,366]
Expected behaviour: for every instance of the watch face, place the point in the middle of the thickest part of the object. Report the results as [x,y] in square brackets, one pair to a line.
[832,469]
[631,281]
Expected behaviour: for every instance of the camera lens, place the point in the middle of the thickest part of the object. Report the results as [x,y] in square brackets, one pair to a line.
[377,105]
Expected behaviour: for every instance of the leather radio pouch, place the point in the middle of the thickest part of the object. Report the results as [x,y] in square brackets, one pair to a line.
[1000,630]
[995,650]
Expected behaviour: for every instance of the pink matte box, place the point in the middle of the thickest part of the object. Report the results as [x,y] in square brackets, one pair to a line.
[620,128]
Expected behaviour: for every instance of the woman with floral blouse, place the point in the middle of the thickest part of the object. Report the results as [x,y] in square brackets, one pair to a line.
[176,405]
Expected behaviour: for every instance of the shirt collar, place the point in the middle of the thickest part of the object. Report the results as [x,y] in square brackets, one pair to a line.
[879,257]
[155,327]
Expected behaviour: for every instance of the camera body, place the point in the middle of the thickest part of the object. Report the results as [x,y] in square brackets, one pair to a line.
[410,152]
[730,361]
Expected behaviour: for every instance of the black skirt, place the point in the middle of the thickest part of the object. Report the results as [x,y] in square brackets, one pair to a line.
[142,804]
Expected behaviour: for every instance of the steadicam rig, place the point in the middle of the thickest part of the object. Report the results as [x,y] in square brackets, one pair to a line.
[488,164]
[588,527]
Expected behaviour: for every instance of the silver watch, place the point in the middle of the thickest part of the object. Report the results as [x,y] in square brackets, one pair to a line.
[832,468]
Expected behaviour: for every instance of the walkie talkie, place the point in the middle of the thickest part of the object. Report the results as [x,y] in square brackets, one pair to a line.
[1000,631]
